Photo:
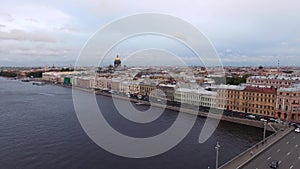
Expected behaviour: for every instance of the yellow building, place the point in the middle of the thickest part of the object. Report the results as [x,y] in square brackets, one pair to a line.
[248,99]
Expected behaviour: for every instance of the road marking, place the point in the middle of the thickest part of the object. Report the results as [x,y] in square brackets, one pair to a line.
[291,166]
[278,150]
[288,153]
[269,158]
[279,162]
[299,158]
[296,145]
[287,142]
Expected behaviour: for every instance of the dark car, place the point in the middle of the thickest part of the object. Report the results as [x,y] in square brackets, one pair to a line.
[293,124]
[274,164]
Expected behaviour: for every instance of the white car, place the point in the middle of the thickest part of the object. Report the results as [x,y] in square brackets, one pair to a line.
[297,130]
[264,120]
[251,116]
[279,121]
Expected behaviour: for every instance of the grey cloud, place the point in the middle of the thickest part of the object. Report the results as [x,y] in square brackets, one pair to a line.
[42,51]
[6,17]
[32,20]
[20,35]
[69,29]
[266,60]
[19,48]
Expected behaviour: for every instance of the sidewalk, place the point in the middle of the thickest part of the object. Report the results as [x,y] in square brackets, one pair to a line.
[255,151]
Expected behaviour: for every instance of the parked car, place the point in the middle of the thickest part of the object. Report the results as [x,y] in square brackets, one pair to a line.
[274,164]
[272,119]
[250,116]
[264,120]
[279,121]
[294,125]
[297,130]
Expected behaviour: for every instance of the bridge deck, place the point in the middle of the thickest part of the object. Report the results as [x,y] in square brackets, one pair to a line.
[255,151]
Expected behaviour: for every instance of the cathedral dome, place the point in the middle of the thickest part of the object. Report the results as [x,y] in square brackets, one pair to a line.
[117,61]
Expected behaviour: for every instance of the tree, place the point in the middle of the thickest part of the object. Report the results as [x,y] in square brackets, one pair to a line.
[8,74]
[35,74]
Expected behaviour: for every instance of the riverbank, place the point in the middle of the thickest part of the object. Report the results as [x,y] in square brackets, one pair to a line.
[272,127]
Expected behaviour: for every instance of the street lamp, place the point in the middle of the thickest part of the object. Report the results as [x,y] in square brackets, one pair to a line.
[264,136]
[217,154]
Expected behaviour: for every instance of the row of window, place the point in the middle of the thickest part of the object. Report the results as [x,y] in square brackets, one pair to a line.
[288,94]
[287,108]
[253,105]
[270,82]
[248,94]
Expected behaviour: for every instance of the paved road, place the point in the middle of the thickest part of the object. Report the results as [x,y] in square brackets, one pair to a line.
[286,151]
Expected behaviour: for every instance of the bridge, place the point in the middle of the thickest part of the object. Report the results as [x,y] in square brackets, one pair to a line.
[283,146]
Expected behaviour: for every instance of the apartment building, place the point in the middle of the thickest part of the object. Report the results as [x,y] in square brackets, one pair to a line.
[248,99]
[288,103]
[273,80]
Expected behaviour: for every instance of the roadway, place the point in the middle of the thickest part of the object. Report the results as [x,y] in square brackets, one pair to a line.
[286,151]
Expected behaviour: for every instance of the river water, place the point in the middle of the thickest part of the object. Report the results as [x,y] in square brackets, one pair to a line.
[39,129]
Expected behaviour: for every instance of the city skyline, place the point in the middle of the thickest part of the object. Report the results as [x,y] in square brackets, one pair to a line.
[243,33]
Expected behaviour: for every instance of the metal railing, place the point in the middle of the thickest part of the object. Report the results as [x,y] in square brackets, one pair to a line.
[254,148]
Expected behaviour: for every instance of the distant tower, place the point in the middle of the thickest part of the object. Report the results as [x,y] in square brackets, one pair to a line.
[117,62]
[278,65]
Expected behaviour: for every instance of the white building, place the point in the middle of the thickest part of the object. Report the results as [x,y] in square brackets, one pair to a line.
[199,97]
[273,80]
[124,86]
[83,82]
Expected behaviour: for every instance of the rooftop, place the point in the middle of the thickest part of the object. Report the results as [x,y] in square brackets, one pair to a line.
[293,88]
[270,90]
[230,87]
[276,77]
[198,91]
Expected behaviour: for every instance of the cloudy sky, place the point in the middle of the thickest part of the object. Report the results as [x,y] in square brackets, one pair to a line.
[243,32]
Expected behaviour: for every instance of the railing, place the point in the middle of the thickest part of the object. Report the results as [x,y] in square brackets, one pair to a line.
[251,149]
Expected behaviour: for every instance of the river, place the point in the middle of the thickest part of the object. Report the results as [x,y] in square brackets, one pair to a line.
[39,129]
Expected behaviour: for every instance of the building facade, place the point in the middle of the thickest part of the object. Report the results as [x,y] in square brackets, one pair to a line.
[273,80]
[198,97]
[288,103]
[248,99]
[147,87]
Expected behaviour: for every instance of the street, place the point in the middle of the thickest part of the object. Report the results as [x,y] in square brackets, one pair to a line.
[286,151]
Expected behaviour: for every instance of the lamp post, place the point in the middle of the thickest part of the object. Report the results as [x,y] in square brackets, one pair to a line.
[264,134]
[217,154]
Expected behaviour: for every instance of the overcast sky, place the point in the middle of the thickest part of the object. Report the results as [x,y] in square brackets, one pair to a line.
[244,32]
